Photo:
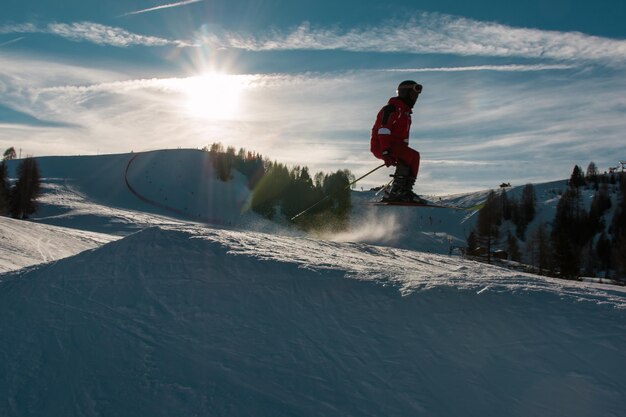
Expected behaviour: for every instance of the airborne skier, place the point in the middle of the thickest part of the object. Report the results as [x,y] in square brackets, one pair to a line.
[390,142]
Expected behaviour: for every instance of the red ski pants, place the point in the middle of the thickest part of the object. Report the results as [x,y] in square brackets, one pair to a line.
[406,155]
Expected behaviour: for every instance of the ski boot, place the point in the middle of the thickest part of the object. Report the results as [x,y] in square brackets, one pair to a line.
[401,190]
[395,192]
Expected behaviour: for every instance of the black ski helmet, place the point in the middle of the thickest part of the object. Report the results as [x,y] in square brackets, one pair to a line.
[405,87]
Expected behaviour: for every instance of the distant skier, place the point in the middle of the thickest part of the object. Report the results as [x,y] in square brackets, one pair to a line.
[390,142]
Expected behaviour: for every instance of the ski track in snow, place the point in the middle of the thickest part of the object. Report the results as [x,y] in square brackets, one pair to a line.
[24,244]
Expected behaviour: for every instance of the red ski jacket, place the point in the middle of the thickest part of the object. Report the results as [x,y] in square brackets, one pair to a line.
[391,128]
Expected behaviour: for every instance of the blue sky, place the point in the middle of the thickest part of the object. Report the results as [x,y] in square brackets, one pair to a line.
[512,92]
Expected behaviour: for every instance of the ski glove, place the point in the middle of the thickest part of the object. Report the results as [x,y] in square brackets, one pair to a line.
[388,158]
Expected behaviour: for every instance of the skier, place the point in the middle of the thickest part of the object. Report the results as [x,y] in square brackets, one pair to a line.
[390,142]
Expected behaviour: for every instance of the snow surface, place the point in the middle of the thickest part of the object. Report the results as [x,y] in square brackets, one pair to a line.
[24,244]
[156,313]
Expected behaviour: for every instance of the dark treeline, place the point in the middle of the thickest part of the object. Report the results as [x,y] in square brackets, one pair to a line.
[583,239]
[279,192]
[18,200]
[250,164]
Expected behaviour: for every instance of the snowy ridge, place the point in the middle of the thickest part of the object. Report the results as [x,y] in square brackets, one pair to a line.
[183,322]
[409,270]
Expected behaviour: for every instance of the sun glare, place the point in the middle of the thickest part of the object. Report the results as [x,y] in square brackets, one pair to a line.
[214,96]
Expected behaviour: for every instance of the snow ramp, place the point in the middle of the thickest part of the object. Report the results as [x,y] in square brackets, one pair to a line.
[201,322]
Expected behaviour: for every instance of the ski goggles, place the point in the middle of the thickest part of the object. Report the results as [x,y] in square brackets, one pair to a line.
[414,87]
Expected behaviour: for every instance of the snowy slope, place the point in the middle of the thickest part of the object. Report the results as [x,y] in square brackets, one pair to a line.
[65,203]
[172,317]
[24,244]
[120,194]
[176,183]
[194,321]
[425,229]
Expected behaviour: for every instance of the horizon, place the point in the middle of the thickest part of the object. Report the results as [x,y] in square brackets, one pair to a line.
[512,93]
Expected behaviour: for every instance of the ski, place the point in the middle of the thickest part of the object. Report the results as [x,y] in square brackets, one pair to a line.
[409,204]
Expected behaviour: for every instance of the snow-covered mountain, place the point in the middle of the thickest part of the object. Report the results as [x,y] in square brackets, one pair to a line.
[132,305]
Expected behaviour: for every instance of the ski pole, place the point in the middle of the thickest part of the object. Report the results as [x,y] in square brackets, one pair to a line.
[333,194]
[385,186]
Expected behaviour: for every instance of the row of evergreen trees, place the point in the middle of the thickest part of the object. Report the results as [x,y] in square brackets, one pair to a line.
[496,210]
[580,240]
[584,239]
[250,164]
[279,192]
[18,200]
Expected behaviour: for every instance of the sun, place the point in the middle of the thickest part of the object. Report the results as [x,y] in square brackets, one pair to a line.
[214,96]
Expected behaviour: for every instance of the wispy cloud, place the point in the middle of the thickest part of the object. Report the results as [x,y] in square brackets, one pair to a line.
[427,33]
[10,117]
[92,32]
[11,41]
[458,162]
[435,33]
[164,6]
[103,35]
[503,68]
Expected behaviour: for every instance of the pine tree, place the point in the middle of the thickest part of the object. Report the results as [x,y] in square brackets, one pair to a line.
[488,223]
[618,231]
[539,249]
[592,172]
[569,233]
[268,193]
[327,198]
[337,185]
[300,192]
[544,249]
[512,248]
[231,158]
[599,205]
[524,212]
[506,205]
[603,254]
[577,179]
[217,157]
[9,154]
[4,189]
[472,244]
[26,189]
[528,202]
[251,165]
[619,260]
